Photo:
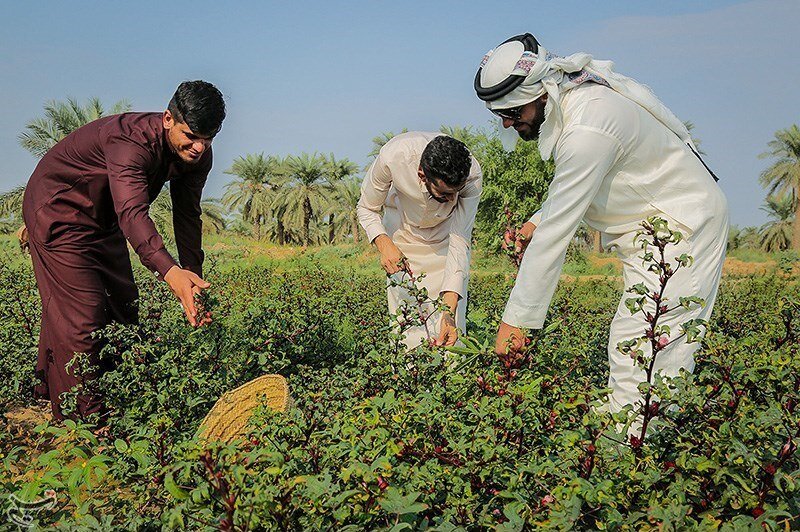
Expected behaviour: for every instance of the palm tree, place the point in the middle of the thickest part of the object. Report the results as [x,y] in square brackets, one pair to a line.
[343,205]
[783,176]
[337,171]
[735,240]
[279,232]
[776,235]
[160,212]
[252,193]
[213,215]
[62,118]
[749,237]
[307,189]
[276,231]
[11,203]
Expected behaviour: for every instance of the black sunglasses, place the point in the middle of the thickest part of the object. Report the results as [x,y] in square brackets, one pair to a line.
[512,113]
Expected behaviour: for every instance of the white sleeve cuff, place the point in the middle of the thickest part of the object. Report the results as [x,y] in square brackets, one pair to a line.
[374,231]
[455,283]
[531,317]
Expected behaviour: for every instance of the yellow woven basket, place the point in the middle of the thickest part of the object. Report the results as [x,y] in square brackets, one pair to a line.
[228,418]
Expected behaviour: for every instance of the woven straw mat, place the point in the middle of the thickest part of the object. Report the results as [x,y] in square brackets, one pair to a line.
[228,418]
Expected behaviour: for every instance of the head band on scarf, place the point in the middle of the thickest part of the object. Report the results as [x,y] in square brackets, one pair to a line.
[548,73]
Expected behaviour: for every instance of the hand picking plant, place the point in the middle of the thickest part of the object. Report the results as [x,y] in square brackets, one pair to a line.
[204,302]
[509,240]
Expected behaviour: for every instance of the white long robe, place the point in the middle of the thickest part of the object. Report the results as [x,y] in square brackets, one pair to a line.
[435,237]
[616,165]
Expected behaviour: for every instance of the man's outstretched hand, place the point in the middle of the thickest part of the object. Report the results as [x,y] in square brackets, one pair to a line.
[448,333]
[392,259]
[510,339]
[185,284]
[523,237]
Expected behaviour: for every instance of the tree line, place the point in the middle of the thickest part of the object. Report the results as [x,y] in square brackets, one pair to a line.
[311,198]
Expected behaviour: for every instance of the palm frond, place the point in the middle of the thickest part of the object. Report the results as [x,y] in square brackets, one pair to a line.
[11,203]
[60,119]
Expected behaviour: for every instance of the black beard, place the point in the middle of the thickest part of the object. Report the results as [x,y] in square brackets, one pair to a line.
[440,200]
[532,132]
[535,125]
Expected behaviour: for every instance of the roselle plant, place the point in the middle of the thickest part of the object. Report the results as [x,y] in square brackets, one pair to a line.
[655,239]
[20,314]
[419,309]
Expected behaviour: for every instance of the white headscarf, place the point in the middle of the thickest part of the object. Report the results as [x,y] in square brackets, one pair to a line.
[554,75]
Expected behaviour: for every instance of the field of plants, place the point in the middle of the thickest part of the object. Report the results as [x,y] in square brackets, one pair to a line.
[383,438]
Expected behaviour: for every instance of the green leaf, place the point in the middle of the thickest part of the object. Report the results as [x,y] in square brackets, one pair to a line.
[552,327]
[395,503]
[639,288]
[176,520]
[48,457]
[173,489]
[634,304]
[784,483]
[706,465]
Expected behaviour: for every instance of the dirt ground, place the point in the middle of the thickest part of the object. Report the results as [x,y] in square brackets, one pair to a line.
[600,261]
[736,267]
[21,420]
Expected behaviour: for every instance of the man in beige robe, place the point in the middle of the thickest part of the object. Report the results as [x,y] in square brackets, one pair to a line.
[428,186]
[621,157]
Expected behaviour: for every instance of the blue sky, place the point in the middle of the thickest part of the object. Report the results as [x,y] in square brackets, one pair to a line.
[329,76]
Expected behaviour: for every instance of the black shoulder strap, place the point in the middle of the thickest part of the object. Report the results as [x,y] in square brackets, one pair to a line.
[703,162]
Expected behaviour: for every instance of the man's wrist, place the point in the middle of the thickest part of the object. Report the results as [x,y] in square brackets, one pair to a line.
[382,241]
[528,228]
[168,274]
[450,302]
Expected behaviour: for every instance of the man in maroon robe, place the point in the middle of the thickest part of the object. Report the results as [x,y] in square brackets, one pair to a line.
[90,193]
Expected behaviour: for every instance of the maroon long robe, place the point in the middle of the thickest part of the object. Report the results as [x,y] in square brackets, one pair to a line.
[88,194]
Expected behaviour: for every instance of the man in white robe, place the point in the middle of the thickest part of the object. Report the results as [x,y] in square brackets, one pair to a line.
[620,157]
[428,186]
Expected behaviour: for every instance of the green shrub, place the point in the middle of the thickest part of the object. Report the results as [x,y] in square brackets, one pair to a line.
[385,438]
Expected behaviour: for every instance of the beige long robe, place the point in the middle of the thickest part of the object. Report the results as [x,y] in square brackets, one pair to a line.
[435,237]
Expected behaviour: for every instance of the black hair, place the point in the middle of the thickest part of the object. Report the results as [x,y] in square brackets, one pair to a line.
[199,105]
[446,159]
